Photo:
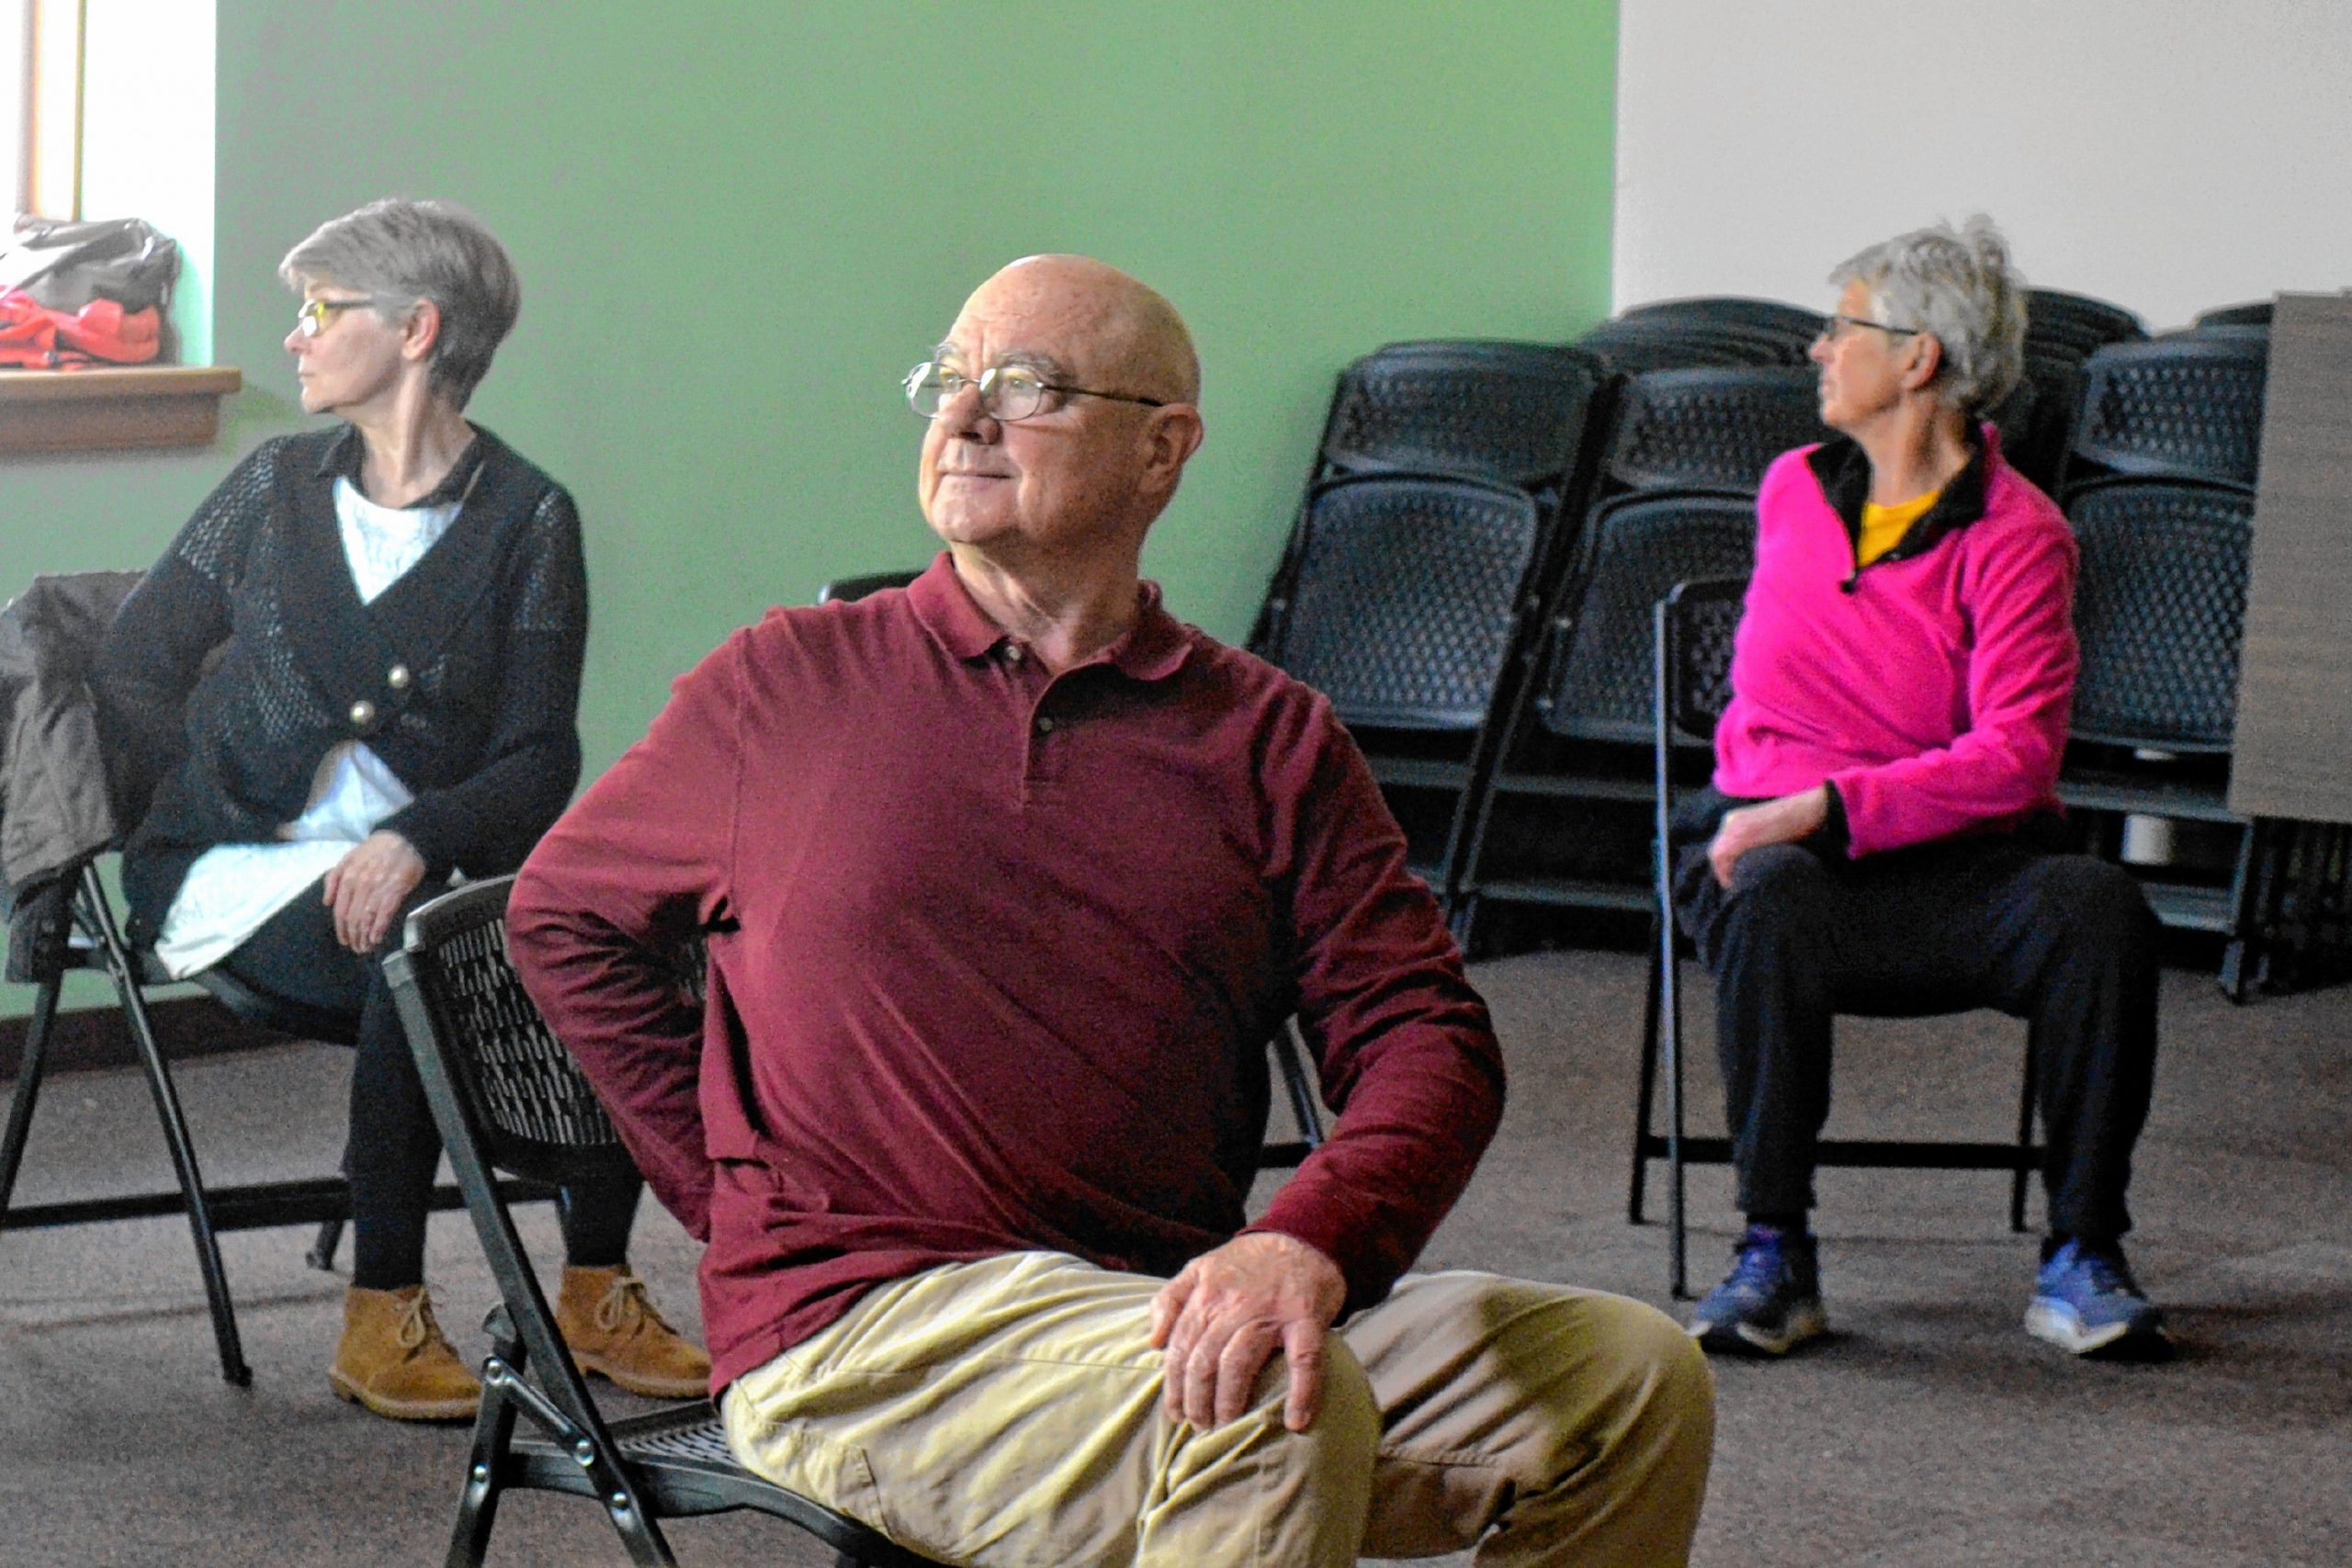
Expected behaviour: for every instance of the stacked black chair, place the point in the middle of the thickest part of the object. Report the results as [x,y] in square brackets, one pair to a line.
[1689,334]
[2160,489]
[1676,501]
[1434,519]
[506,1096]
[2059,322]
[1692,626]
[1793,322]
[1407,605]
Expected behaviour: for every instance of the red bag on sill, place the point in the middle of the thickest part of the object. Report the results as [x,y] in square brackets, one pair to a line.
[101,332]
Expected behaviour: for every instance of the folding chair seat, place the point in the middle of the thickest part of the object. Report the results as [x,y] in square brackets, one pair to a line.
[1573,751]
[1411,601]
[2186,407]
[2160,613]
[1692,629]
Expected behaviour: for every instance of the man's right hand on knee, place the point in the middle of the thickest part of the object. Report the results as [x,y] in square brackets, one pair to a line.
[1221,1320]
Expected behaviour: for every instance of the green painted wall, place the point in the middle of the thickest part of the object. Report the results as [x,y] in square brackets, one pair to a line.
[739,221]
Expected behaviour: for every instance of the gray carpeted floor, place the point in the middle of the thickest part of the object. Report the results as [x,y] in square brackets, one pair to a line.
[1929,1431]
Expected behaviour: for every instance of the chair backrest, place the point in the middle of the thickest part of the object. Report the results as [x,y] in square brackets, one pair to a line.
[2160,612]
[1793,322]
[1409,595]
[474,1028]
[1710,429]
[843,589]
[1599,685]
[2184,407]
[1507,413]
[1698,621]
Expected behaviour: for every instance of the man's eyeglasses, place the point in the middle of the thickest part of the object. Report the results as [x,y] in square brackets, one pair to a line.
[316,315]
[1835,328]
[1007,391]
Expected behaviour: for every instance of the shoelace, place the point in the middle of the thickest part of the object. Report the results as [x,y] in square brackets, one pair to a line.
[625,1306]
[416,1324]
[1759,1264]
[2106,1274]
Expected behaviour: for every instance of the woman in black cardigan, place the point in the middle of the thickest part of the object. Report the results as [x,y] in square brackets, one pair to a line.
[354,674]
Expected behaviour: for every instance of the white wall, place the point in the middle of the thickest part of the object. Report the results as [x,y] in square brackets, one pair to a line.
[2169,155]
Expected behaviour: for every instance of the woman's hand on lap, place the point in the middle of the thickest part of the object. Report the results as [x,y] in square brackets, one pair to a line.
[1782,821]
[368,887]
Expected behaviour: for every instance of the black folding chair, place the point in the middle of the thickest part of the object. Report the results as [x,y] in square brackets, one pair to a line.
[1632,345]
[1575,741]
[2078,322]
[506,1096]
[2160,613]
[1411,601]
[1690,650]
[843,589]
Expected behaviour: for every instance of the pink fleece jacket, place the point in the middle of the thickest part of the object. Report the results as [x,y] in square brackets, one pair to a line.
[1930,689]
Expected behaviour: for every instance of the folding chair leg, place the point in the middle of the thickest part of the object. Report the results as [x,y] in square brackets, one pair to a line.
[100,917]
[2023,1174]
[493,1435]
[1646,1098]
[322,1254]
[27,1091]
[1670,1034]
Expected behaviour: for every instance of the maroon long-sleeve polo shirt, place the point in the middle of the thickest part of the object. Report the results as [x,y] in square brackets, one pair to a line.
[994,956]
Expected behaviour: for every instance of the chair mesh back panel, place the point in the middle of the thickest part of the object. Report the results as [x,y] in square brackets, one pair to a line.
[2188,407]
[1600,688]
[1406,597]
[1703,632]
[1711,429]
[2160,610]
[1508,413]
[523,1083]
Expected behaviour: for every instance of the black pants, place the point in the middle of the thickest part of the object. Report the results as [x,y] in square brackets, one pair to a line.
[393,1149]
[2062,940]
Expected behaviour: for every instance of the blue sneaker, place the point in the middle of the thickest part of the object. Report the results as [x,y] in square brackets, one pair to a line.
[1772,1302]
[2086,1302]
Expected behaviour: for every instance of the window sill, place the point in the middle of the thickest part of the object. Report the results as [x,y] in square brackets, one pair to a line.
[90,410]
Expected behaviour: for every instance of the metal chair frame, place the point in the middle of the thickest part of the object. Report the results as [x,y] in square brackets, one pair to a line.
[210,1211]
[1690,692]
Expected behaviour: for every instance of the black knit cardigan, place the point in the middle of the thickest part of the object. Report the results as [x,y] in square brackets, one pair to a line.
[245,654]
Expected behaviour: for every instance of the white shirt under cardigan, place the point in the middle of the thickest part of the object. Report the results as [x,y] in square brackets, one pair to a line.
[234,889]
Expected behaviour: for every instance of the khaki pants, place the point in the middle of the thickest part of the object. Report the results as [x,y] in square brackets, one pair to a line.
[1007,1412]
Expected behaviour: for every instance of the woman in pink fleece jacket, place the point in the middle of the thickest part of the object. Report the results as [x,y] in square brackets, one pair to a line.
[1877,836]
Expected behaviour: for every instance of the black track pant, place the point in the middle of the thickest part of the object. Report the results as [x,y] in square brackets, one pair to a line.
[2062,940]
[393,1148]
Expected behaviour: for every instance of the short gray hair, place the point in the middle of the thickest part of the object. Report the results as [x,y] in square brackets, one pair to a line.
[400,252]
[1958,285]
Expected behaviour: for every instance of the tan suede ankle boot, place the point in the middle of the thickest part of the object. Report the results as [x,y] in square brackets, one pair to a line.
[613,1330]
[394,1361]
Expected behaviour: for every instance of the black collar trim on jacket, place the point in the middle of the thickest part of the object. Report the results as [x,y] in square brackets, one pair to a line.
[1843,471]
[347,451]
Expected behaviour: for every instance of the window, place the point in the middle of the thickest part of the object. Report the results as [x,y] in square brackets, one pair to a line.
[41,104]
